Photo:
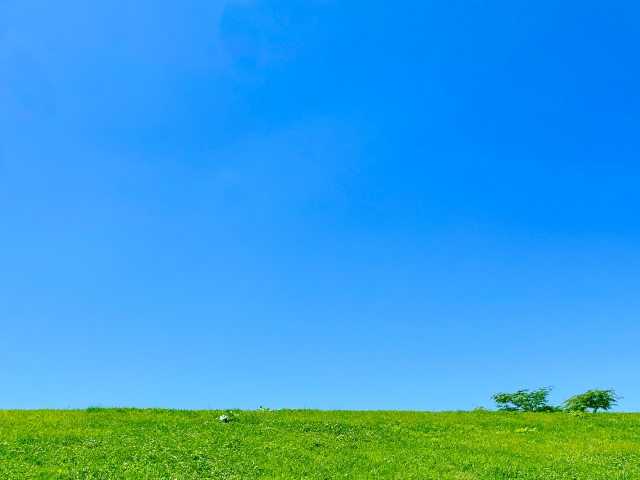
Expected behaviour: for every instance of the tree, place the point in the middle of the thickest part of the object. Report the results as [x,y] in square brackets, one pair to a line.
[593,399]
[525,401]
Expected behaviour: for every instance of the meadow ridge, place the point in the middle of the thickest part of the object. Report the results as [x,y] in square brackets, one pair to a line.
[114,443]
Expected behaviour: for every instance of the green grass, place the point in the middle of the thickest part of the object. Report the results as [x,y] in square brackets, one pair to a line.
[298,444]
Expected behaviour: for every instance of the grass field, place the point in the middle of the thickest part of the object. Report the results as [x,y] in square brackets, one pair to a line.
[297,444]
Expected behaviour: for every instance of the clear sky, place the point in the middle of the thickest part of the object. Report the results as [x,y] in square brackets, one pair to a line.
[329,204]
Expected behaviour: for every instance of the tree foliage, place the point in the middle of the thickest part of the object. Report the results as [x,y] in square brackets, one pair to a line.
[592,399]
[525,401]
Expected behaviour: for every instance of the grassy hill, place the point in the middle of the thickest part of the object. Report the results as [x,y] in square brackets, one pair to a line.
[181,444]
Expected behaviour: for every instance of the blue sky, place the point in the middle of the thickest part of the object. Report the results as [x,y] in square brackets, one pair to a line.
[329,204]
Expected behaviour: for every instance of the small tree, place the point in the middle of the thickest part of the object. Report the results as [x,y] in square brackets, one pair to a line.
[593,399]
[525,401]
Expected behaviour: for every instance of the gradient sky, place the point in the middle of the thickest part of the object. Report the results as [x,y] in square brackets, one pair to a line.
[329,204]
